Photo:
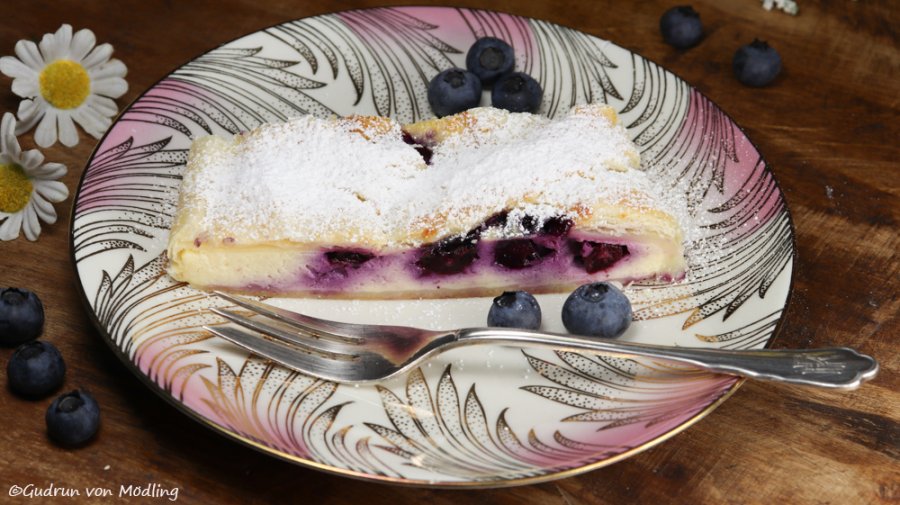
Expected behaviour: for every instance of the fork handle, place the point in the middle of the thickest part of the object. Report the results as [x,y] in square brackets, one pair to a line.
[834,368]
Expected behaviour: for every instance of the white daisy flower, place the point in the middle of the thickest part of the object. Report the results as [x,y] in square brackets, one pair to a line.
[27,186]
[789,6]
[65,78]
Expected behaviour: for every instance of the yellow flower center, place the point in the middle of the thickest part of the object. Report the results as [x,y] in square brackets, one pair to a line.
[15,188]
[65,84]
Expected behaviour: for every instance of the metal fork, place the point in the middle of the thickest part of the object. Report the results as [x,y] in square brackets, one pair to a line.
[360,353]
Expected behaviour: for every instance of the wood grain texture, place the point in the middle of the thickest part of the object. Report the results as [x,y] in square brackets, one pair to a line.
[829,127]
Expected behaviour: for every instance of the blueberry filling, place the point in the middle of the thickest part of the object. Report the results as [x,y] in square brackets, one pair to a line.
[497,220]
[596,256]
[556,226]
[424,151]
[347,258]
[520,253]
[450,255]
[454,255]
[340,262]
[529,223]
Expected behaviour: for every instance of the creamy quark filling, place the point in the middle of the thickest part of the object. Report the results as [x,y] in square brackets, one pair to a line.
[479,262]
[474,203]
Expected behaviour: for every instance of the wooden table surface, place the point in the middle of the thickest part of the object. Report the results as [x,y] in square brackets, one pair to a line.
[830,128]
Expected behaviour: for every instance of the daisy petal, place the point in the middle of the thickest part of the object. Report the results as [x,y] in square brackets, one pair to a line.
[26,87]
[31,161]
[112,68]
[9,230]
[12,67]
[103,105]
[53,191]
[99,55]
[112,87]
[68,135]
[92,121]
[63,38]
[30,112]
[83,41]
[8,143]
[44,209]
[48,48]
[45,134]
[27,124]
[27,51]
[30,224]
[88,122]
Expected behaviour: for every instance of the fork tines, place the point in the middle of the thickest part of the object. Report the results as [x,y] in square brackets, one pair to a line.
[280,334]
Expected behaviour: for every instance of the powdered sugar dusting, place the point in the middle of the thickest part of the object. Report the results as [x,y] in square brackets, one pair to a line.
[355,181]
[537,166]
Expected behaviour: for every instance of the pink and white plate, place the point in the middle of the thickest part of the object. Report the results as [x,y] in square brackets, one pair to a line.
[473,417]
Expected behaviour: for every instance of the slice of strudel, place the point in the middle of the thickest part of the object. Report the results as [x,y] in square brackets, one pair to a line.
[470,204]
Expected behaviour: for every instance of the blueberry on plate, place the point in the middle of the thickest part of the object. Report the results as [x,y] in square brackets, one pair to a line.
[453,90]
[598,309]
[517,92]
[73,418]
[681,27]
[490,58]
[515,309]
[21,316]
[757,64]
[35,369]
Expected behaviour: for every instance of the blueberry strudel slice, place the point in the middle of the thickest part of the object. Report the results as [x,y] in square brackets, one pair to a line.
[470,204]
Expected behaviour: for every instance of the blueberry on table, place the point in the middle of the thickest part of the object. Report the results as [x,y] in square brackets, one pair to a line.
[73,418]
[21,316]
[490,58]
[517,92]
[757,64]
[453,90]
[681,27]
[598,309]
[35,369]
[515,309]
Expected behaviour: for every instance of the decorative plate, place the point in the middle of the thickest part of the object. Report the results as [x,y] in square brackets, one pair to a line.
[477,417]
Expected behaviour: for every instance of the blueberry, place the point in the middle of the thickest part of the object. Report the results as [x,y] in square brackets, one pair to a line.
[515,309]
[35,369]
[453,90]
[757,64]
[21,316]
[449,256]
[347,258]
[597,309]
[73,418]
[519,253]
[557,226]
[517,92]
[490,58]
[681,27]
[424,151]
[596,256]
